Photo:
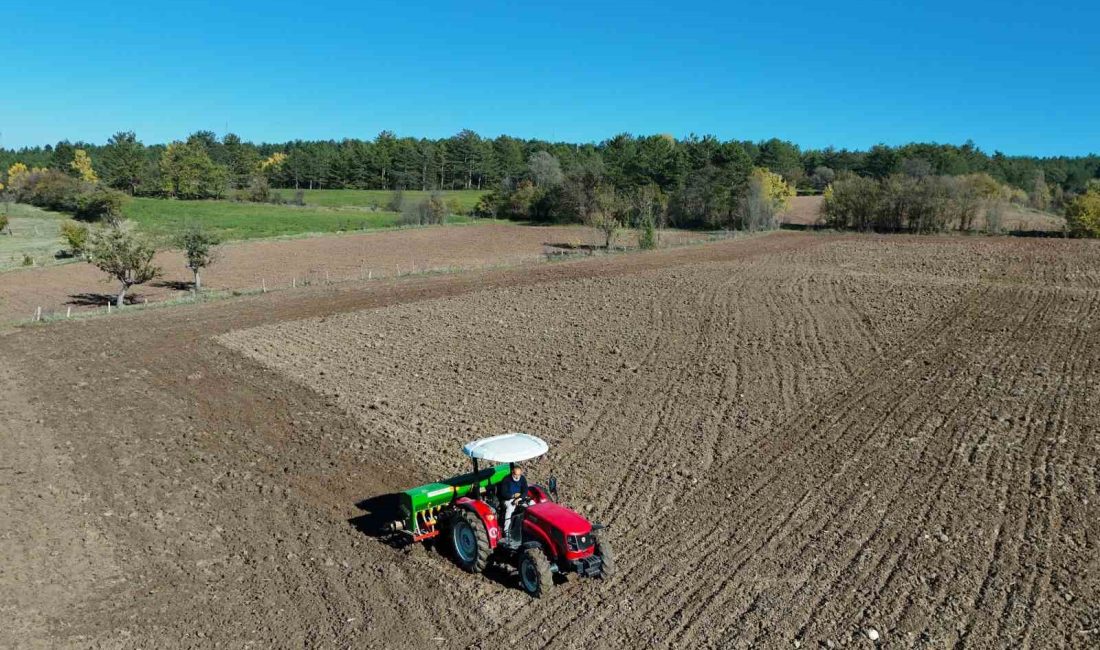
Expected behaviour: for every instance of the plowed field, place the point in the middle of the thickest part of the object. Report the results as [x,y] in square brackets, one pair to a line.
[795,439]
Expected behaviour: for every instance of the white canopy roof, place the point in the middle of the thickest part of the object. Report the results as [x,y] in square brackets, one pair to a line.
[507,448]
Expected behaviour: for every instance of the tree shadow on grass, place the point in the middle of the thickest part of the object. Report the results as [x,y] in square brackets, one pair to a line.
[572,246]
[91,299]
[175,285]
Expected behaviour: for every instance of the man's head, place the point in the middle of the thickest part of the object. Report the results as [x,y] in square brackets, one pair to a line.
[517,471]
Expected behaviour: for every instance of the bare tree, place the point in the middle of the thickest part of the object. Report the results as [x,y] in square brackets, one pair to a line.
[607,214]
[545,169]
[822,177]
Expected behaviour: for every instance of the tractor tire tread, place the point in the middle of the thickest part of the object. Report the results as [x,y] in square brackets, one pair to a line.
[483,551]
[606,554]
[536,556]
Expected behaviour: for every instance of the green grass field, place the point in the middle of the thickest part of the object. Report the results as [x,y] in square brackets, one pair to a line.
[463,200]
[33,235]
[162,218]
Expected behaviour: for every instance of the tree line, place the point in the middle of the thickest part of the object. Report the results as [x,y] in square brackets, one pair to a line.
[625,180]
[211,166]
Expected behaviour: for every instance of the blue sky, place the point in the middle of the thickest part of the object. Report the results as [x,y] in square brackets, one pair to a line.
[1021,78]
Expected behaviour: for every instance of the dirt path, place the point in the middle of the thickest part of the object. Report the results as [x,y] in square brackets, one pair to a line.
[55,556]
[793,438]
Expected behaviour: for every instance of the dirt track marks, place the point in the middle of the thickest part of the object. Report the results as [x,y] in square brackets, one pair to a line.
[781,448]
[772,426]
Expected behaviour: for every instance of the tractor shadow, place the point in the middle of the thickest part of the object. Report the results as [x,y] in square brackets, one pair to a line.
[378,511]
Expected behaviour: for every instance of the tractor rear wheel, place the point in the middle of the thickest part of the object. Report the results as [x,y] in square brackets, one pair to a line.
[534,572]
[606,555]
[469,541]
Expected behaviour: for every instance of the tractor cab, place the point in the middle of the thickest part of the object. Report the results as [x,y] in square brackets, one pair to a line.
[467,514]
[513,448]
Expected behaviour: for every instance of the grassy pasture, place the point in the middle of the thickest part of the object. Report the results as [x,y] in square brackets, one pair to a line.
[464,200]
[232,221]
[34,233]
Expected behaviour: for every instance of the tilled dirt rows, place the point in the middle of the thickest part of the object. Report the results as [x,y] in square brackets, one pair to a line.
[795,439]
[785,450]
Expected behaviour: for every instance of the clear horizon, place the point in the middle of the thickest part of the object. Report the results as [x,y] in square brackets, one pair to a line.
[1003,75]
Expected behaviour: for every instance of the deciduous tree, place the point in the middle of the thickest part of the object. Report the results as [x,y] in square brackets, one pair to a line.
[118,252]
[199,250]
[124,162]
[1083,214]
[76,238]
[545,169]
[187,172]
[82,166]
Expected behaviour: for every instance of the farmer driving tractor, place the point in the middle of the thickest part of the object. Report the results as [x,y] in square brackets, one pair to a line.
[539,536]
[512,492]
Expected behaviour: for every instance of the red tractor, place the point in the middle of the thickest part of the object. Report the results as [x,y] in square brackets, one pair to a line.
[466,513]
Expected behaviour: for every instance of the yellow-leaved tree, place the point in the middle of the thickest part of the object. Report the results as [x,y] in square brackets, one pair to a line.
[778,191]
[1083,214]
[768,195]
[82,165]
[16,174]
[273,164]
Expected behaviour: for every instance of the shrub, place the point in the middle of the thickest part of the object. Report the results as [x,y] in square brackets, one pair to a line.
[4,223]
[432,210]
[51,189]
[1083,214]
[822,177]
[75,236]
[259,190]
[851,202]
[488,205]
[924,204]
[994,217]
[55,190]
[647,236]
[100,204]
[397,201]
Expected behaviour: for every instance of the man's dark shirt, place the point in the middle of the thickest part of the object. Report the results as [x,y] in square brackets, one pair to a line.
[510,487]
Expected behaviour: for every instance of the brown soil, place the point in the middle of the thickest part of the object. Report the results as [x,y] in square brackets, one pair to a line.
[794,438]
[248,266]
[804,211]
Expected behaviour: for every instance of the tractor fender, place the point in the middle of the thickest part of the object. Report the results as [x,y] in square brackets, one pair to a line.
[485,513]
[538,494]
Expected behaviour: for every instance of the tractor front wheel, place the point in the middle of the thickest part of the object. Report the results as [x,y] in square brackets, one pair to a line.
[469,541]
[607,557]
[534,572]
